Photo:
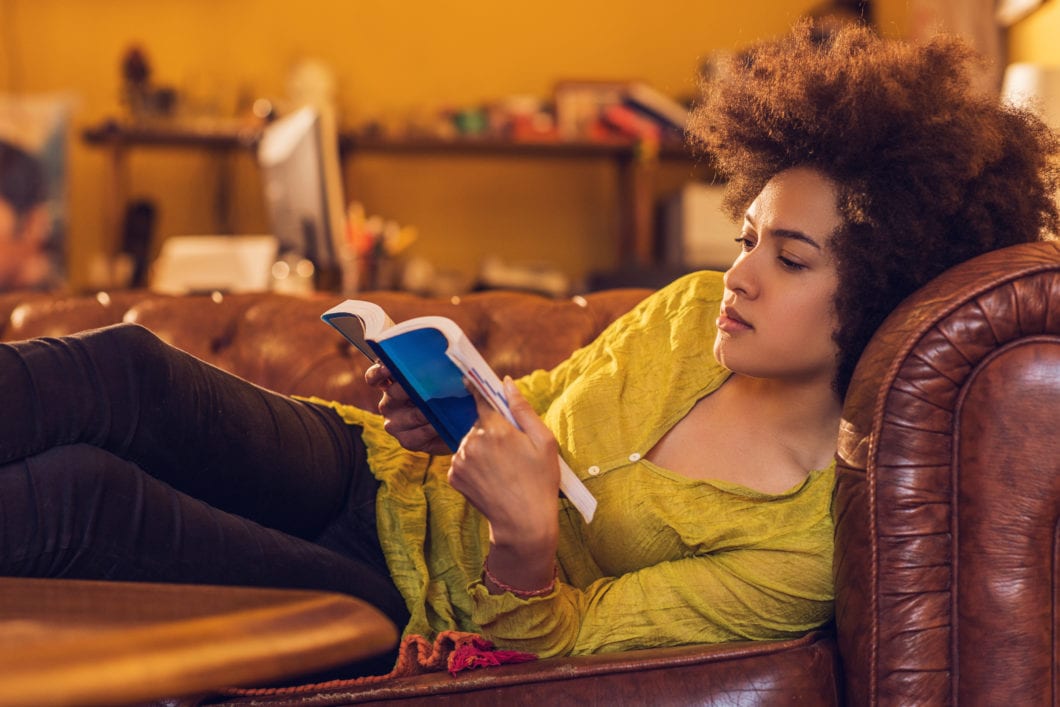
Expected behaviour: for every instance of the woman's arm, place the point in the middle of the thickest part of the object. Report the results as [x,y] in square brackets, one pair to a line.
[735,595]
[778,588]
[511,476]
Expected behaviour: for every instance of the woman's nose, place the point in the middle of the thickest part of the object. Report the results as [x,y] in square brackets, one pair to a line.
[740,277]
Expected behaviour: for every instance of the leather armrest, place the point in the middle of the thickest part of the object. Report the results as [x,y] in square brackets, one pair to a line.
[948,489]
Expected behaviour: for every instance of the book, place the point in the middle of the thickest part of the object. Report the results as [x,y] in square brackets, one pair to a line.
[657,105]
[633,124]
[431,357]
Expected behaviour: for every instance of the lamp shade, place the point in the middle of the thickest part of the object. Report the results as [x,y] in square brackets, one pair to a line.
[1035,88]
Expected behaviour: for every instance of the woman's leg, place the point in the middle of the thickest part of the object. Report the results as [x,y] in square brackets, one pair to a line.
[280,462]
[118,454]
[81,512]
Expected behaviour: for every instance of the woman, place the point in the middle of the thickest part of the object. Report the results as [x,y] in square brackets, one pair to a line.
[704,421]
[751,451]
[869,168]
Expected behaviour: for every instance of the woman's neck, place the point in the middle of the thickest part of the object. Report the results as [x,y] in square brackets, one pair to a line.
[802,416]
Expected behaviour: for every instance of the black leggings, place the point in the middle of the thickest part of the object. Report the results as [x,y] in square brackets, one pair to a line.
[124,458]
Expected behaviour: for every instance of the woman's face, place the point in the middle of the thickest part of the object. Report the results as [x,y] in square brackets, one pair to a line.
[10,252]
[23,262]
[778,314]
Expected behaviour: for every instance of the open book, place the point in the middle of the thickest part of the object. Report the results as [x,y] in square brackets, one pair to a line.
[431,357]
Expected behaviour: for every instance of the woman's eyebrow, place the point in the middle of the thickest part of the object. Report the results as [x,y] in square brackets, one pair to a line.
[789,233]
[796,236]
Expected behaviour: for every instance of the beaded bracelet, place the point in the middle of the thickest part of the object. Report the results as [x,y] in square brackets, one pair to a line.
[521,593]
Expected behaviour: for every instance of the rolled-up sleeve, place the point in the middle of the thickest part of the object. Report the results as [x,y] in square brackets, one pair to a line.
[735,595]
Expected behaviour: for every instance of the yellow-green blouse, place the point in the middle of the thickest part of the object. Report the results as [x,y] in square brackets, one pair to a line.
[667,560]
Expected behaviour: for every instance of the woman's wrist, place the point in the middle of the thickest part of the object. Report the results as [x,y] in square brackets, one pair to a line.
[525,569]
[522,551]
[497,585]
[525,544]
[528,533]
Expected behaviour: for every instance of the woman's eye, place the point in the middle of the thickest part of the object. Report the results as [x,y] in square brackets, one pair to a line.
[746,243]
[790,264]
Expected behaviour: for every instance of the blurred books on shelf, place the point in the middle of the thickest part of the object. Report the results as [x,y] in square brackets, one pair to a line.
[597,109]
[579,106]
[632,124]
[656,105]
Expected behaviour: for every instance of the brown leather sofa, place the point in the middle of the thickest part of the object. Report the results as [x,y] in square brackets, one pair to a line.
[946,505]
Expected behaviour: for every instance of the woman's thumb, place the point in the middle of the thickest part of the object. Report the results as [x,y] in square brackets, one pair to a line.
[524,414]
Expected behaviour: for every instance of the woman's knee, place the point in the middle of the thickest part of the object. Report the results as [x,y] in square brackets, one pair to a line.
[124,339]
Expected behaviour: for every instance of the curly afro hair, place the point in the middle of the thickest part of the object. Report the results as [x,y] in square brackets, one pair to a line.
[929,171]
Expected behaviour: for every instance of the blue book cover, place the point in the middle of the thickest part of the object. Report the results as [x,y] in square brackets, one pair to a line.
[431,358]
[418,362]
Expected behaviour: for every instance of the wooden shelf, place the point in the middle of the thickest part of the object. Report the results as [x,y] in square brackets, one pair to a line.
[164,133]
[239,134]
[500,146]
[634,168]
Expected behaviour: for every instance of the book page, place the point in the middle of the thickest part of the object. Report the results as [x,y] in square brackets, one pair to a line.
[359,321]
[485,380]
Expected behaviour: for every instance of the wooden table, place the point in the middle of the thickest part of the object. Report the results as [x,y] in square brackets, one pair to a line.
[69,642]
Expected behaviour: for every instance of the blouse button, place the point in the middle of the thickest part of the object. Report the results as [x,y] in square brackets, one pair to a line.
[634,457]
[594,470]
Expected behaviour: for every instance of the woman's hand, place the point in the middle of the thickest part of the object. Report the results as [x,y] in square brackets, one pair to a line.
[402,419]
[512,477]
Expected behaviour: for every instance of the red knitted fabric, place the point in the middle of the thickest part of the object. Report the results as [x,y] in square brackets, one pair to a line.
[454,651]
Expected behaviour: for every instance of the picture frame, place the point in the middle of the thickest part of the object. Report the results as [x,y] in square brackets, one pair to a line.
[38,125]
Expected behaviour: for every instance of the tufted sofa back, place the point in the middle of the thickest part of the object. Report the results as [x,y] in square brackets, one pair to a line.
[279,342]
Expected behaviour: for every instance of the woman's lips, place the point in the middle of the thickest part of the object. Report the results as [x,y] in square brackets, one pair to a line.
[731,322]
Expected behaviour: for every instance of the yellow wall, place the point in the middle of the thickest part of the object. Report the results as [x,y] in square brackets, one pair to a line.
[391,59]
[1031,39]
[1034,38]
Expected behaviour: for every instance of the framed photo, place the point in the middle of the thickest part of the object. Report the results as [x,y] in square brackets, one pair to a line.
[33,155]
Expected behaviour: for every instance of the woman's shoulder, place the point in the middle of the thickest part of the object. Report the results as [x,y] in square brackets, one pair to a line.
[700,290]
[701,284]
